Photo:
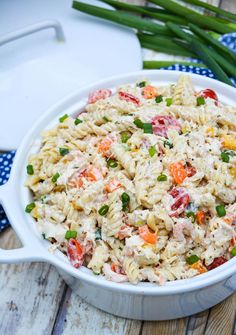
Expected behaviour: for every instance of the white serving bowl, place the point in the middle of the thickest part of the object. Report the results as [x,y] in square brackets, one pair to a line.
[145,301]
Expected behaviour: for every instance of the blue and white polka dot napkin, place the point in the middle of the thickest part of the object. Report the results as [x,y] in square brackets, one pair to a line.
[6,159]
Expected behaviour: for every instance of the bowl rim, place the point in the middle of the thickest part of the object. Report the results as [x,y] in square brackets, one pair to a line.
[174,287]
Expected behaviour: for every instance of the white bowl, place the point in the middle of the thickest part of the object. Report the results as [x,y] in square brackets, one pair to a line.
[145,301]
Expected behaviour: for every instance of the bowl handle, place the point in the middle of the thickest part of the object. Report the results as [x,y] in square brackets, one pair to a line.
[32,250]
[28,30]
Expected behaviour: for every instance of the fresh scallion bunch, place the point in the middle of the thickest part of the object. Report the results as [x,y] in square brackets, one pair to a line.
[192,41]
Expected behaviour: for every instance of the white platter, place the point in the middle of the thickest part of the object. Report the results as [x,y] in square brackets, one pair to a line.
[37,70]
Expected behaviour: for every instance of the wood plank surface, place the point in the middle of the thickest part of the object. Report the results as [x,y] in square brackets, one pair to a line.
[30,294]
[35,300]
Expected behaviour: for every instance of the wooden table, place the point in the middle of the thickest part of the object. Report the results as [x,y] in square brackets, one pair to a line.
[35,300]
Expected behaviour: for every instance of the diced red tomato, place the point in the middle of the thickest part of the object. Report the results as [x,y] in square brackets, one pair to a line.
[93,173]
[149,92]
[208,93]
[178,172]
[233,241]
[181,201]
[112,185]
[146,235]
[200,217]
[190,170]
[104,146]
[75,253]
[129,98]
[216,262]
[162,123]
[98,95]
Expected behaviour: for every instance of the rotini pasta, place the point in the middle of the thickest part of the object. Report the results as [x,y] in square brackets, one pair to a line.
[141,185]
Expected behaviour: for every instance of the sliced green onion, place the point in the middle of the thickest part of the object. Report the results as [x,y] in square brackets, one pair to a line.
[224,157]
[194,17]
[200,101]
[30,207]
[70,234]
[112,163]
[141,84]
[125,19]
[169,102]
[77,121]
[213,9]
[233,251]
[191,215]
[55,177]
[98,235]
[63,118]
[125,198]
[105,119]
[192,259]
[147,128]
[103,210]
[157,14]
[162,177]
[125,136]
[161,44]
[207,37]
[138,123]
[30,169]
[152,151]
[159,99]
[63,151]
[155,64]
[168,144]
[220,209]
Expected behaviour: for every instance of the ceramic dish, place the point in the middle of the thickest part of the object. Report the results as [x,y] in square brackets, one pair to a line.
[144,301]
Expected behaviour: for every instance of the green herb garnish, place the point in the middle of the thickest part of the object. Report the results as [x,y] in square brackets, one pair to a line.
[224,157]
[125,198]
[162,177]
[105,119]
[200,101]
[30,169]
[192,215]
[159,99]
[192,259]
[233,251]
[138,123]
[63,151]
[103,210]
[112,163]
[70,234]
[63,118]
[147,128]
[169,102]
[55,177]
[141,84]
[220,209]
[77,121]
[152,151]
[30,207]
[125,136]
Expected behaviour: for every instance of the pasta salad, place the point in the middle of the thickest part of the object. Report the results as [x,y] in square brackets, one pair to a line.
[140,186]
